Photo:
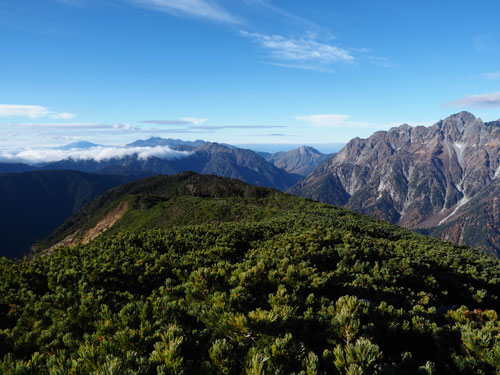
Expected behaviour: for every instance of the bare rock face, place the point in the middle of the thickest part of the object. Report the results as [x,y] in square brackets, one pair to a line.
[418,177]
[301,161]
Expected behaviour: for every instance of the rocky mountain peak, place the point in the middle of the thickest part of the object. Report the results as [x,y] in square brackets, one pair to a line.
[456,125]
[303,150]
[300,161]
[463,118]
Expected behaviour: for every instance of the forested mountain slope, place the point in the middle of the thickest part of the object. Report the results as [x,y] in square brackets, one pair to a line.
[245,280]
[33,204]
[15,167]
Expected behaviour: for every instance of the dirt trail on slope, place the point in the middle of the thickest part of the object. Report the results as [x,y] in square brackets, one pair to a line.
[102,226]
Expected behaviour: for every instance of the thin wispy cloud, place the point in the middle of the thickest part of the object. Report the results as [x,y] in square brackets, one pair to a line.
[74,125]
[332,120]
[100,153]
[156,131]
[294,19]
[166,122]
[194,120]
[62,116]
[204,9]
[302,66]
[32,111]
[219,127]
[183,121]
[93,130]
[490,100]
[306,52]
[492,76]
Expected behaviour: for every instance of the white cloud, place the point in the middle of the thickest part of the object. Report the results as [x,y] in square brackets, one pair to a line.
[332,121]
[63,116]
[492,76]
[34,156]
[123,127]
[304,50]
[491,100]
[207,9]
[31,111]
[166,122]
[75,125]
[194,120]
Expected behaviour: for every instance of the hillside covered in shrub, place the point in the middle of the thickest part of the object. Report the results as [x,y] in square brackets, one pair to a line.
[204,275]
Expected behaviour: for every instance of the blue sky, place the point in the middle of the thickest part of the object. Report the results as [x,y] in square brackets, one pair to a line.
[241,71]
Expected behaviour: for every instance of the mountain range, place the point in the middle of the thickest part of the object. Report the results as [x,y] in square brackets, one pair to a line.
[441,180]
[175,144]
[281,171]
[209,158]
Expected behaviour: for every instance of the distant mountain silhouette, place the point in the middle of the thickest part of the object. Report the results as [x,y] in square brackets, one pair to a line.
[209,158]
[16,167]
[174,144]
[78,145]
[302,160]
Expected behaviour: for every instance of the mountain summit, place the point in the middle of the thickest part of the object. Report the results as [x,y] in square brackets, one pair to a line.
[301,161]
[418,177]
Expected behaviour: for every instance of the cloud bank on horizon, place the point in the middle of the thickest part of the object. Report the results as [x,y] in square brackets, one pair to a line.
[99,153]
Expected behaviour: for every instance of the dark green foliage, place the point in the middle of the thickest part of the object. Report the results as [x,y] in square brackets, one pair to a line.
[162,201]
[309,289]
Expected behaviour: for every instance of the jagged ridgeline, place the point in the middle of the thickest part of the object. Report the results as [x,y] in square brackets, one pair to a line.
[442,180]
[235,279]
